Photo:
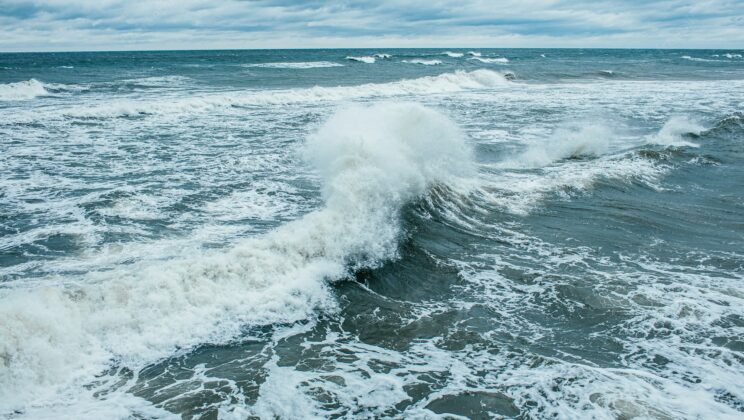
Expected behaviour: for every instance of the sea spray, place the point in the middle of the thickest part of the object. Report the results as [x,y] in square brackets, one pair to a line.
[674,131]
[372,161]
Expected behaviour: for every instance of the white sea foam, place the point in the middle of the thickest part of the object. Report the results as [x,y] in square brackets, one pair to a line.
[453,54]
[732,56]
[19,91]
[671,134]
[363,59]
[296,65]
[424,62]
[474,53]
[372,160]
[498,60]
[443,83]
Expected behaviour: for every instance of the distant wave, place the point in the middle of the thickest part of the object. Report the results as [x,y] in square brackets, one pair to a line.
[383,56]
[296,65]
[474,53]
[687,57]
[499,60]
[453,54]
[367,59]
[424,62]
[32,88]
[443,83]
[154,81]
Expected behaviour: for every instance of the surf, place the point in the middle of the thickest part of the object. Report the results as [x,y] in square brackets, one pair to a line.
[372,161]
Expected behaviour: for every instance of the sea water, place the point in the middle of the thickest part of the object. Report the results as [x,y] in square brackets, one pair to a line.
[531,233]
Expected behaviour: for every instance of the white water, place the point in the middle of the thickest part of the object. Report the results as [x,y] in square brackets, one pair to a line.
[19,91]
[444,83]
[296,65]
[499,60]
[671,134]
[587,140]
[424,62]
[372,160]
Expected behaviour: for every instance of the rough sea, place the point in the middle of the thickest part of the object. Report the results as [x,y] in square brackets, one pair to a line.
[397,234]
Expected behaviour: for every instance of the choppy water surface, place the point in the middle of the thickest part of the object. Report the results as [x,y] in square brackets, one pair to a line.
[372,234]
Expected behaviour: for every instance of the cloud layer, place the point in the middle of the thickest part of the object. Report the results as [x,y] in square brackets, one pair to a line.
[49,25]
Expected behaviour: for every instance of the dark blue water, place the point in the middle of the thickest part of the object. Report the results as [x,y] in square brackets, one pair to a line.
[518,233]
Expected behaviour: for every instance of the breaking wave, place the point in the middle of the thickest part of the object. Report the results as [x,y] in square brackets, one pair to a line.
[20,91]
[424,62]
[296,65]
[674,132]
[499,60]
[367,59]
[444,83]
[372,161]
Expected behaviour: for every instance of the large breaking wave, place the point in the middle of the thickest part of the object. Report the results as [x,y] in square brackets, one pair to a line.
[372,161]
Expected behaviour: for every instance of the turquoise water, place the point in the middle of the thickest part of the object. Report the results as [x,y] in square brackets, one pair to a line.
[372,234]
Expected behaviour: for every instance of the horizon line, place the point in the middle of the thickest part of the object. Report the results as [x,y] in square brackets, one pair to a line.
[363,48]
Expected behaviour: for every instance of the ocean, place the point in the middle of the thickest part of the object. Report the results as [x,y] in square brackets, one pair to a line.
[387,233]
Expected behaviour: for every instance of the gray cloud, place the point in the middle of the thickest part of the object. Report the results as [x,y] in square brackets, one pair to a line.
[40,25]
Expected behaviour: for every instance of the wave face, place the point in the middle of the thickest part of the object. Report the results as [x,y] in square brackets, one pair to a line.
[242,234]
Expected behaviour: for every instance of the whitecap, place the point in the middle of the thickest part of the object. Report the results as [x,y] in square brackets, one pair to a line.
[296,65]
[423,62]
[498,60]
[363,59]
[673,132]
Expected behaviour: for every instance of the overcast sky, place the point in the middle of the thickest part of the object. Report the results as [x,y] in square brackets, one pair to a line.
[64,25]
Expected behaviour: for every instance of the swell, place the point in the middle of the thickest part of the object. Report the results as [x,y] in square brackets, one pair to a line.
[372,161]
